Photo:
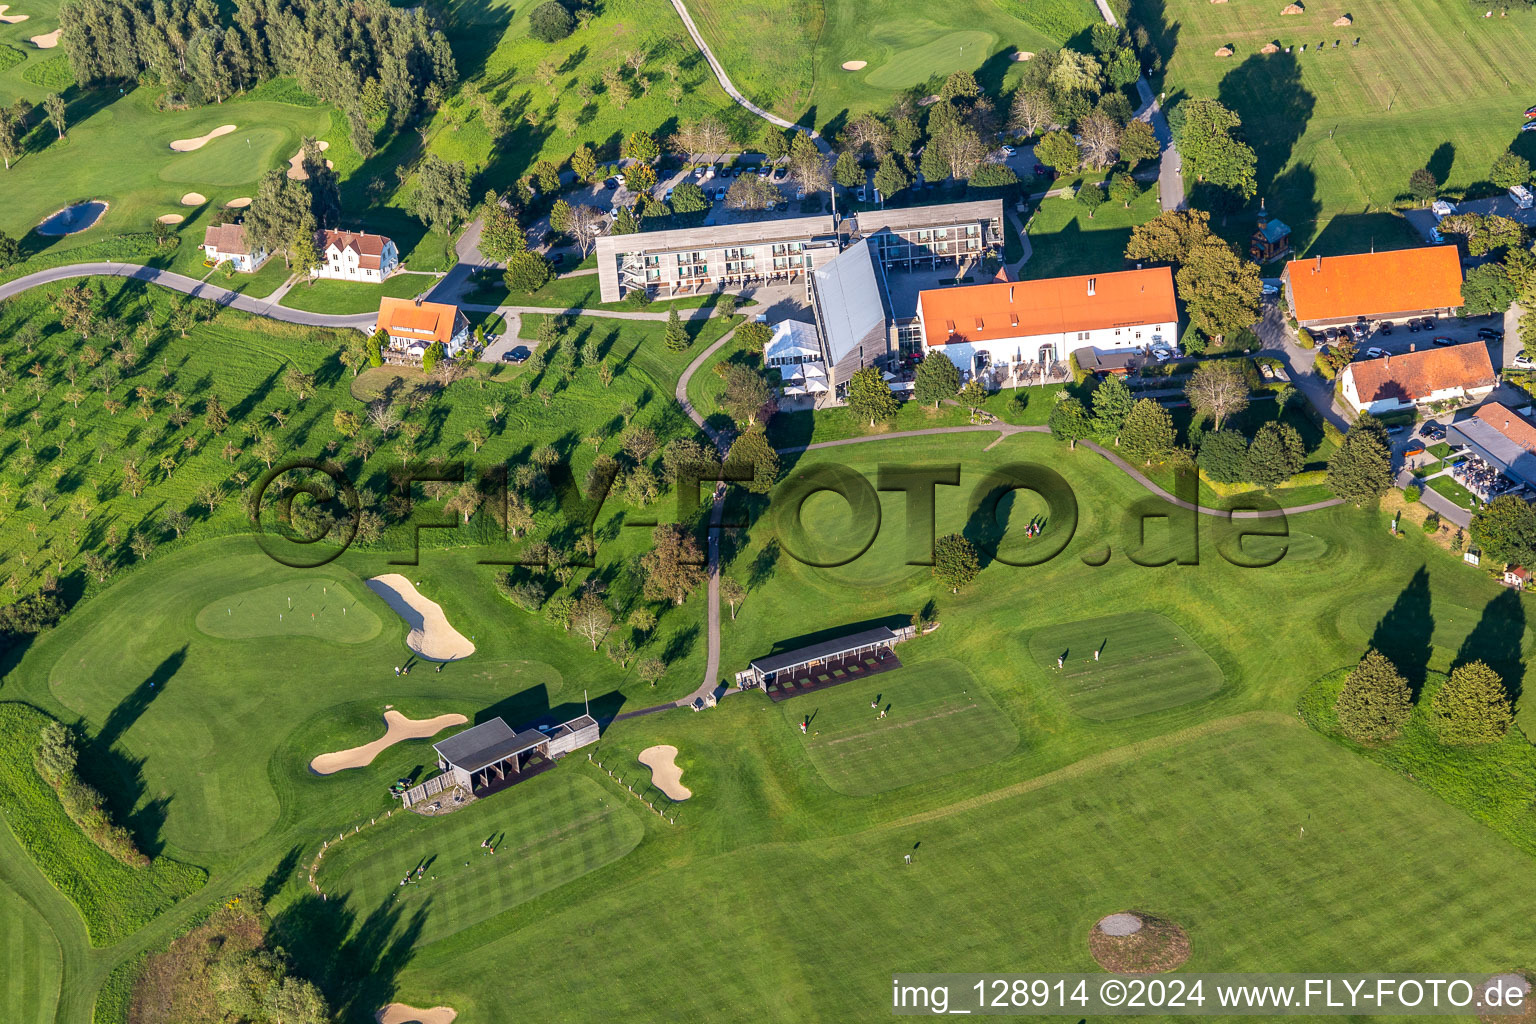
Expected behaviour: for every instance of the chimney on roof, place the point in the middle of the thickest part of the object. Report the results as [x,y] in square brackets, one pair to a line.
[1413,346]
[418,300]
[1319,268]
[1092,283]
[1010,295]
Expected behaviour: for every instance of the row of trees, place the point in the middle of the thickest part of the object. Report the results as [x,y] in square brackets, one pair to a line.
[377,62]
[15,123]
[1470,708]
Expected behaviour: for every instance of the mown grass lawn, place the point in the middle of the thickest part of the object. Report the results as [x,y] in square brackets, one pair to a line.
[1066,241]
[1339,129]
[1454,491]
[326,296]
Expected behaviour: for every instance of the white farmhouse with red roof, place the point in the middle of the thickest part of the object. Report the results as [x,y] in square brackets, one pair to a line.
[1042,321]
[355,256]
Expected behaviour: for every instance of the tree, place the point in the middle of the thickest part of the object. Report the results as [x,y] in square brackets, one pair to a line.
[528,272]
[754,336]
[1123,67]
[676,336]
[1169,237]
[1031,112]
[1485,234]
[1112,403]
[773,144]
[954,562]
[1090,197]
[1217,389]
[298,383]
[53,104]
[674,567]
[1100,136]
[708,134]
[586,225]
[1077,73]
[1224,456]
[1148,432]
[1360,470]
[1487,289]
[1204,132]
[501,237]
[746,394]
[591,619]
[1220,290]
[869,397]
[550,22]
[866,134]
[1124,190]
[441,197]
[10,250]
[280,213]
[214,416]
[1505,529]
[1069,420]
[12,128]
[1375,702]
[937,379]
[689,198]
[1423,185]
[752,192]
[807,165]
[1472,707]
[847,172]
[753,450]
[1138,143]
[891,177]
[1510,170]
[560,216]
[584,163]
[1057,151]
[1276,454]
[640,146]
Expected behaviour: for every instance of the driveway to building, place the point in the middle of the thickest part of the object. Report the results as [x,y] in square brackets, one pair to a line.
[266,306]
[1281,343]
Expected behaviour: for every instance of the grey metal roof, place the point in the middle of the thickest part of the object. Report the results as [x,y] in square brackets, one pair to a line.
[1493,444]
[939,215]
[849,298]
[786,229]
[486,743]
[825,649]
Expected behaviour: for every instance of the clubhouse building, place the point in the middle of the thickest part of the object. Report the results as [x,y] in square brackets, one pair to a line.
[1327,291]
[1454,373]
[1502,438]
[492,756]
[999,325]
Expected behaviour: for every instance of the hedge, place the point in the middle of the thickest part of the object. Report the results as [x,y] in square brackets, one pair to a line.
[1494,783]
[115,900]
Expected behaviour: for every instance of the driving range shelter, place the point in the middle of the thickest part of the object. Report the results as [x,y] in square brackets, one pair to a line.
[828,663]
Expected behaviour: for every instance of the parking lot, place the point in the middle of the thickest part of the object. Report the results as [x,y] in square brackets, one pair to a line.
[1402,338]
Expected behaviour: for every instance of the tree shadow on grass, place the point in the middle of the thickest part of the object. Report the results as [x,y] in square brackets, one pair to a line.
[1403,634]
[355,963]
[1497,641]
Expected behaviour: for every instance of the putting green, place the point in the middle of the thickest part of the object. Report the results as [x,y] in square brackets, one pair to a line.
[548,831]
[235,159]
[1296,547]
[949,52]
[29,963]
[938,721]
[1146,663]
[320,608]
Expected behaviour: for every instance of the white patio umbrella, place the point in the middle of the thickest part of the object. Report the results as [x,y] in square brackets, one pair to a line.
[815,386]
[794,390]
[888,375]
[811,370]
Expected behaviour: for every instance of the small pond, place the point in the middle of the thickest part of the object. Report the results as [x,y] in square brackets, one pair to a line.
[73,218]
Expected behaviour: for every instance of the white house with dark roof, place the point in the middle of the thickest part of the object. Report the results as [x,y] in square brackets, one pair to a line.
[355,256]
[226,243]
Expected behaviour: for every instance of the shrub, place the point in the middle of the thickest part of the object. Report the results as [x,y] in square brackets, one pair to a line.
[1304,338]
[550,22]
[1412,493]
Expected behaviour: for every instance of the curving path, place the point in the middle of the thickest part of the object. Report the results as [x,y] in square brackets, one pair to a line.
[730,88]
[266,306]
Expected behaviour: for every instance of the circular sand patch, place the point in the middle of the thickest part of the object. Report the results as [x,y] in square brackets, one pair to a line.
[238,204]
[46,41]
[662,761]
[170,218]
[1518,980]
[855,65]
[296,162]
[399,1013]
[193,199]
[1024,55]
[396,729]
[11,19]
[188,145]
[1135,942]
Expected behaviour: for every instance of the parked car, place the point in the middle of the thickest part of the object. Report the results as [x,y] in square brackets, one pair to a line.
[1269,289]
[1529,126]
[799,193]
[1530,112]
[611,184]
[1161,353]
[1443,340]
[1523,362]
[781,174]
[1413,327]
[1266,371]
[1394,431]
[1490,334]
[862,193]
[515,356]
[1431,430]
[1009,151]
[719,194]
[1375,353]
[1385,328]
[668,196]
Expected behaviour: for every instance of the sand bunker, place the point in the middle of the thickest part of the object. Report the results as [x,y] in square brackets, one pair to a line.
[193,199]
[399,1013]
[188,145]
[170,218]
[11,19]
[430,635]
[296,164]
[238,204]
[855,65]
[397,728]
[46,41]
[1024,55]
[662,761]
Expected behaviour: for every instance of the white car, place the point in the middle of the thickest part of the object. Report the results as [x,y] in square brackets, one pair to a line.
[862,193]
[620,179]
[1161,354]
[1375,353]
[1523,362]
[1009,151]
[1270,289]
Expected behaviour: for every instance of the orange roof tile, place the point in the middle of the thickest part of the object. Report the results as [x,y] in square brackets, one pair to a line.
[1055,305]
[1375,283]
[1415,375]
[413,321]
[1509,423]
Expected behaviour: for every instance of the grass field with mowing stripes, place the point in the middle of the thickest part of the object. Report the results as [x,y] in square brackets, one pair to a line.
[1146,663]
[547,831]
[939,720]
[29,963]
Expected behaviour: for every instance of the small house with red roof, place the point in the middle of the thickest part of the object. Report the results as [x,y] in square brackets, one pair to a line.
[1400,284]
[1456,373]
[413,326]
[1042,321]
[355,256]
